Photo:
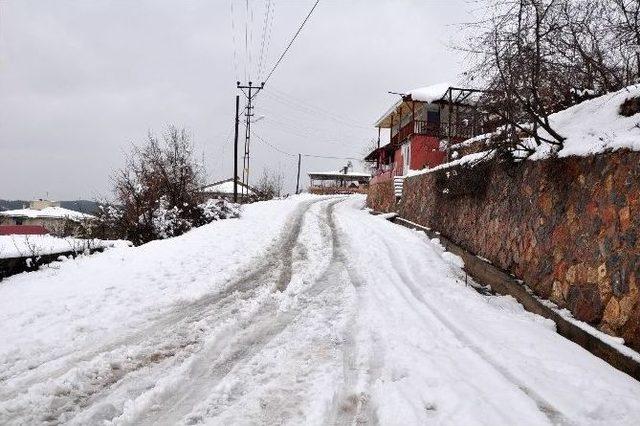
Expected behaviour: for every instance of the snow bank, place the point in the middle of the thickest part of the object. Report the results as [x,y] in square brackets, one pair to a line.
[12,246]
[52,311]
[595,126]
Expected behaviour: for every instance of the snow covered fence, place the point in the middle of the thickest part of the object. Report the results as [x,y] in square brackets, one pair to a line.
[563,225]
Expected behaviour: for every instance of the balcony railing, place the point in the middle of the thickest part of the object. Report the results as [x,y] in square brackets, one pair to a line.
[416,127]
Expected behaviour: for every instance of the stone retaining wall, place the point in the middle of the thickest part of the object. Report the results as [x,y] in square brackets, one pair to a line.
[568,227]
[381,196]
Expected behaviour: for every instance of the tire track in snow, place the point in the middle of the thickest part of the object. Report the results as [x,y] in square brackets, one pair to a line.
[350,405]
[215,363]
[553,415]
[152,339]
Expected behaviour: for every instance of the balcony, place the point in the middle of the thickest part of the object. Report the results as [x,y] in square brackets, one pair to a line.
[416,127]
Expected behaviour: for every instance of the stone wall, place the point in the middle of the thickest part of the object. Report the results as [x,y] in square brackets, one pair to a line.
[568,227]
[381,196]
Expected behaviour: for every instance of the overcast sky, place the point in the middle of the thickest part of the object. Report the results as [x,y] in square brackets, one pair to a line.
[82,80]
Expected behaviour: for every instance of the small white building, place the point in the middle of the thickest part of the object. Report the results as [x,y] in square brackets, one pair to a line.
[57,220]
[224,189]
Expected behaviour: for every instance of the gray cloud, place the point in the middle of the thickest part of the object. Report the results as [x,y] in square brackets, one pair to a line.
[81,80]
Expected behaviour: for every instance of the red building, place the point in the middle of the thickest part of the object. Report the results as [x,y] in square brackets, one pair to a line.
[421,124]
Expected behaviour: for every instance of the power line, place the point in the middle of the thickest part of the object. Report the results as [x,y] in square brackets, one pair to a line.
[246,39]
[292,40]
[273,146]
[266,28]
[310,110]
[235,44]
[331,157]
[281,151]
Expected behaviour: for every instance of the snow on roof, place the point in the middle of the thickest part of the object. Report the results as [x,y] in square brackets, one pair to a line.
[226,187]
[595,126]
[48,213]
[429,94]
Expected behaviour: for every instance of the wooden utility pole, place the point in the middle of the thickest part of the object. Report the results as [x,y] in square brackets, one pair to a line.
[298,178]
[235,152]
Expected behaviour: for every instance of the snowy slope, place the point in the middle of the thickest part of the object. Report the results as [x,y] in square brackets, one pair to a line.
[304,311]
[595,126]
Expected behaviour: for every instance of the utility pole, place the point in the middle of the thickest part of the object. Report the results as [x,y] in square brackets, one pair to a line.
[298,178]
[235,152]
[252,91]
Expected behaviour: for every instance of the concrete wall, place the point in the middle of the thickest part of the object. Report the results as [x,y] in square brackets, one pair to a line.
[567,227]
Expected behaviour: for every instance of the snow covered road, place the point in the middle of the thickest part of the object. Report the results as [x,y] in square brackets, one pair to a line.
[304,311]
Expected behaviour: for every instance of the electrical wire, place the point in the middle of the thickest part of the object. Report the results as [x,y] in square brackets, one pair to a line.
[246,39]
[235,43]
[292,40]
[330,157]
[265,29]
[282,97]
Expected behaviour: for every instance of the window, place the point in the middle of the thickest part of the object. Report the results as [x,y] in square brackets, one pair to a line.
[433,116]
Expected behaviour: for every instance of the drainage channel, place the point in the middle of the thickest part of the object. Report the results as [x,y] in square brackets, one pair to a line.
[489,276]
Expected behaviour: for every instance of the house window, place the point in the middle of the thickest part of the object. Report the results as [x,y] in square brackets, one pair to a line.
[433,116]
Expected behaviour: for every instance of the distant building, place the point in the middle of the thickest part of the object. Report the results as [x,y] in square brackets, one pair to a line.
[47,215]
[224,189]
[342,182]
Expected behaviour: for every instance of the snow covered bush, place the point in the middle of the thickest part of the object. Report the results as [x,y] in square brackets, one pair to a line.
[216,209]
[168,221]
[157,193]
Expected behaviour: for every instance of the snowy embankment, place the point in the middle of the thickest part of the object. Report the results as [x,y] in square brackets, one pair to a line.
[50,312]
[304,311]
[17,246]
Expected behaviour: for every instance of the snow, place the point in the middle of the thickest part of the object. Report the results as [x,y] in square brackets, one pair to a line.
[49,213]
[429,94]
[226,187]
[307,310]
[595,126]
[12,246]
[469,159]
[616,342]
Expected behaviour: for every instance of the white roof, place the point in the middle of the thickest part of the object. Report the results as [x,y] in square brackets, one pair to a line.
[226,187]
[48,213]
[428,94]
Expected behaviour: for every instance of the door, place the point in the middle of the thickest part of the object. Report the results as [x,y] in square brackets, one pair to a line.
[406,157]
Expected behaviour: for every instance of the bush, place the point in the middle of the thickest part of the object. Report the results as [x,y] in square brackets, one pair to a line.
[158,193]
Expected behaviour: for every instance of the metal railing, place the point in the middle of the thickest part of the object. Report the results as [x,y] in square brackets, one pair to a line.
[416,127]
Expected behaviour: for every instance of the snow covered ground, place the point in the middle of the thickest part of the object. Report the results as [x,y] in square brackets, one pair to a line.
[12,246]
[304,311]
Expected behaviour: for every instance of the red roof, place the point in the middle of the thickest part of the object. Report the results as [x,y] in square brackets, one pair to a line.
[23,230]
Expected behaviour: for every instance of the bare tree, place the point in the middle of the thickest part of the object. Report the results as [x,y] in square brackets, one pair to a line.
[159,184]
[270,184]
[537,57]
